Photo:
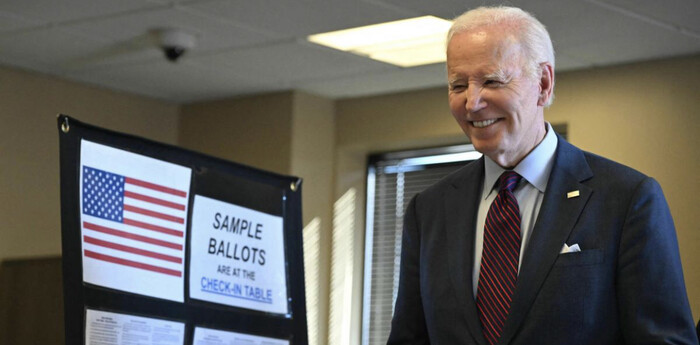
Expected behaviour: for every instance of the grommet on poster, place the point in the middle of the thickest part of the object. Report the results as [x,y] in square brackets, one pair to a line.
[65,126]
[295,185]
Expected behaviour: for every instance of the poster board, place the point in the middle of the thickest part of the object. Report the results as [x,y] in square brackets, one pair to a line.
[165,245]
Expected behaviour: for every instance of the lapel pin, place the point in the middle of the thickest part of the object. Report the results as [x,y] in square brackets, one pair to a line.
[572,194]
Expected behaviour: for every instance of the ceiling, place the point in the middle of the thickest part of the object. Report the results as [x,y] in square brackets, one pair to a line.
[255,46]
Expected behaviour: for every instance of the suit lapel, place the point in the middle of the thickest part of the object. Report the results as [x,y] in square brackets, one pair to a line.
[557,217]
[461,203]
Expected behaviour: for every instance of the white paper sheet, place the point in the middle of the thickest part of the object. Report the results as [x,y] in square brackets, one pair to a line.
[237,257]
[205,336]
[105,328]
[133,221]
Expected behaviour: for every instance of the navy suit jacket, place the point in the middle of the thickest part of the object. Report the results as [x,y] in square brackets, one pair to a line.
[625,286]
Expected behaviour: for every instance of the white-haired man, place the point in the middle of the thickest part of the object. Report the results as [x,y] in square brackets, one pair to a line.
[538,242]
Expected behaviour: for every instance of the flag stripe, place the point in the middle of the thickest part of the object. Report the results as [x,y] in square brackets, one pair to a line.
[124,262]
[132,250]
[149,185]
[154,214]
[153,200]
[124,234]
[152,227]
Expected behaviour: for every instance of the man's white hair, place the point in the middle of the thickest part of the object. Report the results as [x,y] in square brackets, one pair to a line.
[523,26]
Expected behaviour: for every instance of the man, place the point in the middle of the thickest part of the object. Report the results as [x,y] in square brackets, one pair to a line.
[538,242]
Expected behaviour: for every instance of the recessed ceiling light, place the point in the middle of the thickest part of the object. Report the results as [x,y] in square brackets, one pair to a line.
[405,43]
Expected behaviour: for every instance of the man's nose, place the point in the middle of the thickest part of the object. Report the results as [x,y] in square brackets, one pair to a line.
[475,101]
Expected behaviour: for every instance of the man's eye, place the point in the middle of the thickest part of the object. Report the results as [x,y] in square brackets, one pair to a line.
[492,82]
[458,87]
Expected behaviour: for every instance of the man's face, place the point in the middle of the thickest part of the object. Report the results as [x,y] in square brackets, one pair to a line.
[497,105]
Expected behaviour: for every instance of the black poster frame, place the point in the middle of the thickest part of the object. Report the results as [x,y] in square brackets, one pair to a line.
[212,177]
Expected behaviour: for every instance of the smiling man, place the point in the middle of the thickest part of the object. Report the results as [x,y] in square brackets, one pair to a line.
[538,242]
[497,102]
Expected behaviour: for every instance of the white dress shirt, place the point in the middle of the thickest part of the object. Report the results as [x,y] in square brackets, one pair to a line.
[534,169]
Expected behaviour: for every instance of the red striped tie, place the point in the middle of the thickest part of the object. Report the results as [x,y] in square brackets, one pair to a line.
[499,261]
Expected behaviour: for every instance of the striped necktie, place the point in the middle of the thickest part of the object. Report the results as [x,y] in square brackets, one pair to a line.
[499,261]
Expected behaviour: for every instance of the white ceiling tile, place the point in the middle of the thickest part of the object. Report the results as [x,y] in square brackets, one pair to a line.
[258,46]
[566,62]
[53,11]
[33,66]
[591,33]
[572,23]
[293,62]
[12,22]
[212,34]
[681,13]
[298,18]
[380,83]
[49,47]
[448,9]
[620,49]
[172,81]
[177,2]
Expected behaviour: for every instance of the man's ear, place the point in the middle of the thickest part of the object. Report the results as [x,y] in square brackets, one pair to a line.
[546,83]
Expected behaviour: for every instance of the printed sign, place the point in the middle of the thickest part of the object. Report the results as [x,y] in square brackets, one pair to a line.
[104,328]
[206,336]
[237,257]
[133,221]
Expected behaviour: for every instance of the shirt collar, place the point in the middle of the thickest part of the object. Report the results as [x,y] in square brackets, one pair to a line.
[534,168]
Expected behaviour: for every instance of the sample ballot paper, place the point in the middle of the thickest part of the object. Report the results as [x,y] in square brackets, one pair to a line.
[205,336]
[105,328]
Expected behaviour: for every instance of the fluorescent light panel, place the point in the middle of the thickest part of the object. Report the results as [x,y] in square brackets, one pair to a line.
[405,43]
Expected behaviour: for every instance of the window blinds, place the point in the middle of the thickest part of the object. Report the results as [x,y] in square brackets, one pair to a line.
[394,179]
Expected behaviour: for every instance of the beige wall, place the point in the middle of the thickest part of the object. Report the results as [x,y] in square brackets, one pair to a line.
[29,180]
[644,115]
[312,158]
[255,130]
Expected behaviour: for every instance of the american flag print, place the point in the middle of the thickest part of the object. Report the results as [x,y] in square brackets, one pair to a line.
[134,218]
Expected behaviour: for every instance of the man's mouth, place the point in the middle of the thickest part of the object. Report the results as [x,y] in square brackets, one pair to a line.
[485,123]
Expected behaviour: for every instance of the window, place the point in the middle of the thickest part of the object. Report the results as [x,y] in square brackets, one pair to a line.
[393,179]
[340,310]
[312,233]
